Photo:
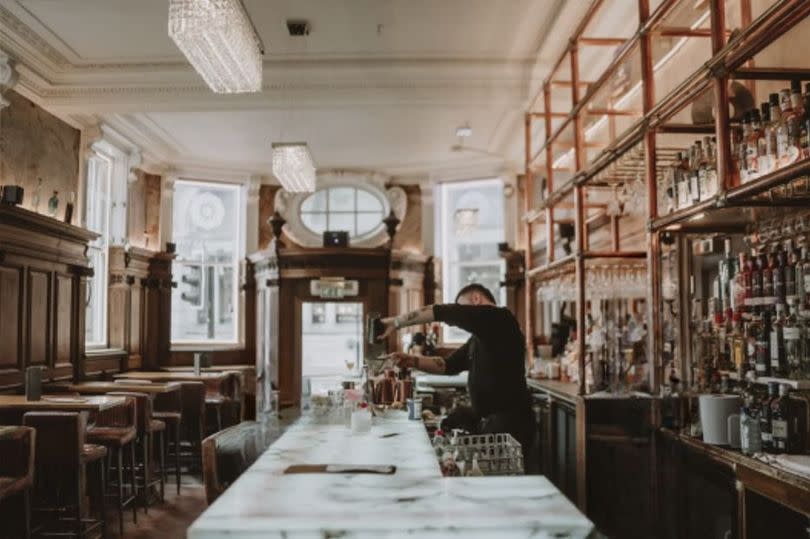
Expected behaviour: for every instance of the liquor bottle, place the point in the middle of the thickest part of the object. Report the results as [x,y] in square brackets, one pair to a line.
[803,283]
[771,131]
[779,271]
[752,146]
[751,330]
[765,417]
[736,134]
[766,164]
[789,268]
[756,282]
[777,343]
[726,277]
[768,262]
[804,127]
[762,337]
[694,172]
[682,179]
[738,346]
[707,176]
[742,148]
[750,435]
[475,470]
[743,284]
[781,421]
[787,134]
[792,335]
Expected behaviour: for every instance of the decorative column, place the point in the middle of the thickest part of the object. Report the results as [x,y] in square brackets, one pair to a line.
[266,278]
[166,207]
[88,137]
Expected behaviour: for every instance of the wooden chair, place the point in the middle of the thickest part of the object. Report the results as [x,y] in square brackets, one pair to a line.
[17,446]
[226,454]
[168,407]
[60,480]
[150,430]
[116,429]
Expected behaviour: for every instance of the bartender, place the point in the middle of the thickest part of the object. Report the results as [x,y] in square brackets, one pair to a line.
[494,355]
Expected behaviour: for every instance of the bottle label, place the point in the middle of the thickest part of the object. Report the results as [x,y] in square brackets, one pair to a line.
[767,436]
[683,197]
[751,161]
[694,187]
[779,429]
[807,284]
[791,334]
[774,349]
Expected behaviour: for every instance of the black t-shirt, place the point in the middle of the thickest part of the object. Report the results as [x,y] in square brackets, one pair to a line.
[495,357]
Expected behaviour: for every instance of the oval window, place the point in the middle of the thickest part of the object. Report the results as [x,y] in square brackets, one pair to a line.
[355,210]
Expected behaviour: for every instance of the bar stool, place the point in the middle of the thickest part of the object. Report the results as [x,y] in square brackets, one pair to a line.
[147,429]
[116,429]
[167,407]
[17,468]
[192,397]
[62,459]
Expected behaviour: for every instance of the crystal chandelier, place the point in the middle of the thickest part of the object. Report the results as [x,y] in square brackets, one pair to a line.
[293,166]
[219,40]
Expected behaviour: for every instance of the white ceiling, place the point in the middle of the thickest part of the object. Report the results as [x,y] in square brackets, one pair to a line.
[379,84]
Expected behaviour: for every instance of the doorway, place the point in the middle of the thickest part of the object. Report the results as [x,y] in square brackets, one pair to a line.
[331,344]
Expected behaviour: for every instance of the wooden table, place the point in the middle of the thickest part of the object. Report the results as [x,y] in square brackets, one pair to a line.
[100,388]
[60,403]
[163,376]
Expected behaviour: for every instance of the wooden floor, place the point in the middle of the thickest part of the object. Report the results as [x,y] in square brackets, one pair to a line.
[165,520]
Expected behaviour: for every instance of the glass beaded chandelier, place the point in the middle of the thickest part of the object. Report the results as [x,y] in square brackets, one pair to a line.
[219,40]
[293,166]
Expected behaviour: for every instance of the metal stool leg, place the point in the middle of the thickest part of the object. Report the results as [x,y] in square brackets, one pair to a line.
[120,452]
[134,489]
[177,470]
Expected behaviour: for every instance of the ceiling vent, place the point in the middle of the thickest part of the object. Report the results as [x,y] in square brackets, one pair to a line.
[298,28]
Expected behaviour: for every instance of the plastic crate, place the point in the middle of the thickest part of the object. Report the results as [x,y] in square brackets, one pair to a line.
[498,454]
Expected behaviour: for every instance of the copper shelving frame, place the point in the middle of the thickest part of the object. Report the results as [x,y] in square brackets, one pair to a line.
[730,59]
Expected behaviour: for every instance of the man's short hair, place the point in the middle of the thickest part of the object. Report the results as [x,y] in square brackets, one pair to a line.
[476,287]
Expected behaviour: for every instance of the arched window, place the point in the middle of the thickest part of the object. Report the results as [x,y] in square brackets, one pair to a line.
[355,210]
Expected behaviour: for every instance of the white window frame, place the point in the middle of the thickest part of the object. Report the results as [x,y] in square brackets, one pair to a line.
[444,220]
[236,263]
[97,286]
[118,167]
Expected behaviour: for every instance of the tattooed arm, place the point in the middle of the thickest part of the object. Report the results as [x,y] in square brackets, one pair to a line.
[413,318]
[431,364]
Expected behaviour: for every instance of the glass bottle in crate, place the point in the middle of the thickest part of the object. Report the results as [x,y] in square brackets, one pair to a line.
[695,156]
[752,146]
[761,332]
[766,163]
[781,421]
[771,131]
[765,427]
[682,181]
[750,434]
[787,135]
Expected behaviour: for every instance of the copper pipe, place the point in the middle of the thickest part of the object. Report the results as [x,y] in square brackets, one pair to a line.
[601,41]
[538,272]
[550,246]
[553,114]
[615,254]
[579,224]
[613,112]
[677,31]
[527,207]
[745,21]
[567,83]
[771,73]
[718,21]
[687,129]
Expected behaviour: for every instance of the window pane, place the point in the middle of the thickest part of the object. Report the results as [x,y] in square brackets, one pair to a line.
[95,312]
[316,222]
[342,221]
[366,222]
[341,199]
[206,230]
[368,202]
[471,253]
[315,202]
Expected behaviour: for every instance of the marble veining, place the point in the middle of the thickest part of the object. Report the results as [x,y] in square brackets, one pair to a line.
[415,502]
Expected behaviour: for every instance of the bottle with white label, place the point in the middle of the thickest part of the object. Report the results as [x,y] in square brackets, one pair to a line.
[792,335]
[750,436]
[780,421]
[777,343]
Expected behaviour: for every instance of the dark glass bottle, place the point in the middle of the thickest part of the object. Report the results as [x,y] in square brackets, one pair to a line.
[777,343]
[765,417]
[761,329]
[781,419]
[778,275]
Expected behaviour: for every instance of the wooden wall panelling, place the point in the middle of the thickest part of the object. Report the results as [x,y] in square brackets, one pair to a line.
[12,303]
[157,310]
[43,266]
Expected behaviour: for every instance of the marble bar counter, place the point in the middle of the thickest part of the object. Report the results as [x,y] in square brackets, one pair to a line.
[414,502]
